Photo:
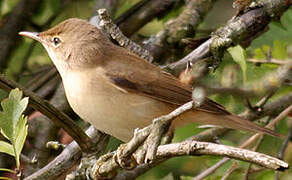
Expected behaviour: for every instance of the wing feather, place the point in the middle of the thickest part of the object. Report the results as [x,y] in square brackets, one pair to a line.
[138,76]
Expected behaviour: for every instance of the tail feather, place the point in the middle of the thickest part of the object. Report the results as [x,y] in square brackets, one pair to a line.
[228,121]
[236,122]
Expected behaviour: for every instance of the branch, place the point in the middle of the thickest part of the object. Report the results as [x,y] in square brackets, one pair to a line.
[245,144]
[283,149]
[110,5]
[176,29]
[42,130]
[58,117]
[69,157]
[239,30]
[211,169]
[142,13]
[268,61]
[104,168]
[265,85]
[107,25]
[273,108]
[191,147]
[205,148]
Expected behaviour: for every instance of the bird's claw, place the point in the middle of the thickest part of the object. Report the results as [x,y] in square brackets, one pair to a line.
[124,162]
[159,128]
[96,166]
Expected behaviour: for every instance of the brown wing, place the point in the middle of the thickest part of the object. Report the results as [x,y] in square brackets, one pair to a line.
[134,74]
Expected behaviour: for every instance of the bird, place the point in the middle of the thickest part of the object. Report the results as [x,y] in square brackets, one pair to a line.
[117,91]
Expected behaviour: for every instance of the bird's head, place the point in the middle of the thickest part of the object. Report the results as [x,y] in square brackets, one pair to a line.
[73,44]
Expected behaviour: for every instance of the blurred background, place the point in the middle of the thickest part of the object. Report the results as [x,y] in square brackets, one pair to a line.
[25,61]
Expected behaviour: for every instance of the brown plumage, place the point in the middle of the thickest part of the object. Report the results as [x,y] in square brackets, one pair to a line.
[116,90]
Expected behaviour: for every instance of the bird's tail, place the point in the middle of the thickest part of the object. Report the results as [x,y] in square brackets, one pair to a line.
[228,121]
[236,122]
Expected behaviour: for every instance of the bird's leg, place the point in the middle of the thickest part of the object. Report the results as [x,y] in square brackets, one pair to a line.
[141,153]
[150,136]
[159,127]
[124,154]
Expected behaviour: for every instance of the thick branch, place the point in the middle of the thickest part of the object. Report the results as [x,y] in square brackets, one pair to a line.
[176,29]
[239,30]
[199,148]
[69,156]
[141,14]
[43,130]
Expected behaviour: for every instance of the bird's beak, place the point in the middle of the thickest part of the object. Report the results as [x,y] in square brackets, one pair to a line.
[32,35]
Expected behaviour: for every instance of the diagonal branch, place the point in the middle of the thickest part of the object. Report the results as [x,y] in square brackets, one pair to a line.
[69,157]
[239,30]
[58,117]
[142,13]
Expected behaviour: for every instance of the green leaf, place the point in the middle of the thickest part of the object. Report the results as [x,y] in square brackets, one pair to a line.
[279,50]
[279,25]
[15,94]
[6,148]
[13,123]
[21,133]
[13,107]
[259,54]
[266,49]
[238,55]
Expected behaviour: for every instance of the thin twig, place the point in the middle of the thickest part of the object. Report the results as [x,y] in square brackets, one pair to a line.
[211,169]
[231,169]
[283,149]
[270,61]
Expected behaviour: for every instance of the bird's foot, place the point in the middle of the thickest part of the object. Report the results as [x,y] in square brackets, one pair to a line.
[98,165]
[148,152]
[125,162]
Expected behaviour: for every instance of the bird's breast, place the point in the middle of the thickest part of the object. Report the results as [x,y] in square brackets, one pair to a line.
[110,108]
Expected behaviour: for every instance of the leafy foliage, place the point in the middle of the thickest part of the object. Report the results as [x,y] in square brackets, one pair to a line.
[238,55]
[13,124]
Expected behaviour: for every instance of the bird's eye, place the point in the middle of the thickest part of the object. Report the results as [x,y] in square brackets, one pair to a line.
[56,41]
